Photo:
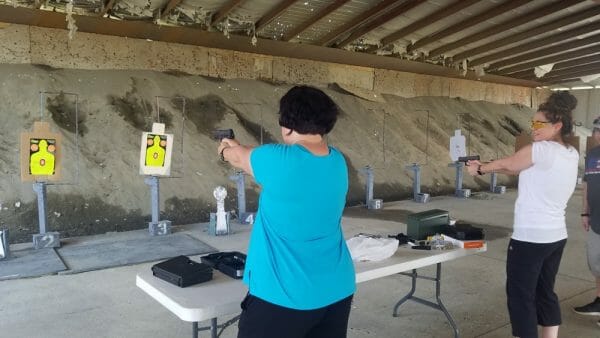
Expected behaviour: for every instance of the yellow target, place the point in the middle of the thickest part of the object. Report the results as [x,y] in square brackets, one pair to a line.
[156,150]
[41,156]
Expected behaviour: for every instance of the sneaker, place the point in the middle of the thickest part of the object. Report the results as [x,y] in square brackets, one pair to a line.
[591,309]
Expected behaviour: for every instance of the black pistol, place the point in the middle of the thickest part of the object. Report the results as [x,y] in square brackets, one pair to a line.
[220,134]
[466,159]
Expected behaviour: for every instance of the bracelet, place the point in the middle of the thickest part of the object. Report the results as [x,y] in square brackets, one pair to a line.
[479,172]
[222,157]
[585,215]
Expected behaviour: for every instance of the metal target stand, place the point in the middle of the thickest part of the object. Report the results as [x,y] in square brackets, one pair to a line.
[156,227]
[46,239]
[415,167]
[368,170]
[239,177]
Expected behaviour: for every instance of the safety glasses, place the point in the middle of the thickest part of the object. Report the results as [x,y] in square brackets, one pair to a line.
[535,125]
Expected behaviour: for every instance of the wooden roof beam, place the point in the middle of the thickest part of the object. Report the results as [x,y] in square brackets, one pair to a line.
[567,72]
[561,81]
[594,39]
[272,14]
[529,74]
[550,59]
[311,21]
[380,20]
[444,32]
[575,76]
[107,7]
[572,33]
[138,29]
[355,22]
[424,22]
[564,21]
[223,11]
[506,25]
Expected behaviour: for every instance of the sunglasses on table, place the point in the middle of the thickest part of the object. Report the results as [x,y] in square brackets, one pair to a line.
[535,125]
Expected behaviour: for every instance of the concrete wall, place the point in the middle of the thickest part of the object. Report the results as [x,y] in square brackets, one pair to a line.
[21,44]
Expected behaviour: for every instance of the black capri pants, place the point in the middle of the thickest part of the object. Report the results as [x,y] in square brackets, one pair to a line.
[531,270]
[261,319]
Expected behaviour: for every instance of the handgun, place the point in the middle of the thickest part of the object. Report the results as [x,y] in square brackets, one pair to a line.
[220,134]
[466,159]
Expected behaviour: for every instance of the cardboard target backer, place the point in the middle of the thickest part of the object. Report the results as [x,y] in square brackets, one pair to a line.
[457,146]
[40,154]
[155,151]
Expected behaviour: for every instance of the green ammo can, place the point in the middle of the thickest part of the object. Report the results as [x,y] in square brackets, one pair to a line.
[426,223]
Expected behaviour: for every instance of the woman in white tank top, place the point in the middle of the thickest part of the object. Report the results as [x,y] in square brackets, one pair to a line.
[547,171]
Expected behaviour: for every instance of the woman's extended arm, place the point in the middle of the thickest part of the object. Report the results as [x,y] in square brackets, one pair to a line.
[511,165]
[236,154]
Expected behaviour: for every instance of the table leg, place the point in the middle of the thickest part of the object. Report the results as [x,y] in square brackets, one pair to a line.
[438,306]
[213,328]
[410,293]
[438,282]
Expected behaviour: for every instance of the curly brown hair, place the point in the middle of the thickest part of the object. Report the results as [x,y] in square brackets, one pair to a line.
[559,108]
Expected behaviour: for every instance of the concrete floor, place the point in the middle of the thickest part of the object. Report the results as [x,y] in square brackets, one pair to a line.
[106,303]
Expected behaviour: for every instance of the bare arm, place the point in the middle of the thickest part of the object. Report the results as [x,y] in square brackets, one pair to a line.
[511,165]
[585,220]
[236,154]
[507,172]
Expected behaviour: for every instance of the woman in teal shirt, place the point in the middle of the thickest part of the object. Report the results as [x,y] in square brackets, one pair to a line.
[299,272]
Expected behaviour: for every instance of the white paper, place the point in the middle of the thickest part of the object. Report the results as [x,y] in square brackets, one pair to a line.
[457,146]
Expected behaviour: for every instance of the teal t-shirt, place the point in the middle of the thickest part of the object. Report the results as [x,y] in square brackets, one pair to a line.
[297,257]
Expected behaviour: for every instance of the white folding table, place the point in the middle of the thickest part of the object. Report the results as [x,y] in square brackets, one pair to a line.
[222,295]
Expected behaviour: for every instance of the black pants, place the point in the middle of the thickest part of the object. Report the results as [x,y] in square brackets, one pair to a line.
[531,270]
[261,319]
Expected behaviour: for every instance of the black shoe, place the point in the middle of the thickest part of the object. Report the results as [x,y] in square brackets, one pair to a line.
[591,309]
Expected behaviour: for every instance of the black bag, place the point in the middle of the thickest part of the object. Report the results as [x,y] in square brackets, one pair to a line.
[463,232]
[230,263]
[182,271]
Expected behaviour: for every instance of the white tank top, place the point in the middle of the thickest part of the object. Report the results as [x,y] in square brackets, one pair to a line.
[544,190]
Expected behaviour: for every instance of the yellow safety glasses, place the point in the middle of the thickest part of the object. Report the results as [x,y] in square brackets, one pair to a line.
[535,125]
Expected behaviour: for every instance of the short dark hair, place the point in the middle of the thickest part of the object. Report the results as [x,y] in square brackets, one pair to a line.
[559,108]
[307,110]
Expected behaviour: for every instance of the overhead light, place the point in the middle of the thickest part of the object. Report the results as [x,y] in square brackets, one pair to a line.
[560,88]
[597,87]
[582,87]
